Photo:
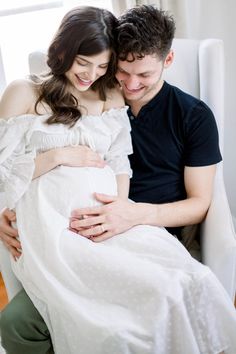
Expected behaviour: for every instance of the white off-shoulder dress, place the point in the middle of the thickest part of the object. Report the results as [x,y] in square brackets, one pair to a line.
[139,292]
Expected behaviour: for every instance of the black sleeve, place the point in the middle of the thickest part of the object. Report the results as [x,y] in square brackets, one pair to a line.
[201,137]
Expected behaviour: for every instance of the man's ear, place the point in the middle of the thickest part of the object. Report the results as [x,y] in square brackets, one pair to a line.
[169,59]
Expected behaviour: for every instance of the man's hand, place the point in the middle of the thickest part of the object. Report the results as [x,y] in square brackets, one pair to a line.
[8,234]
[102,222]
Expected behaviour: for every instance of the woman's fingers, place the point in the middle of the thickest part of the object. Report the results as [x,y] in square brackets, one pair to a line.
[8,234]
[14,252]
[9,214]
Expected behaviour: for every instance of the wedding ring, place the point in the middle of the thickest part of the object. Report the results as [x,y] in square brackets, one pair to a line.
[102,228]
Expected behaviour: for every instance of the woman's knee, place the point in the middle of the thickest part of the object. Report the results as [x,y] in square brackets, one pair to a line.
[10,316]
[20,315]
[23,330]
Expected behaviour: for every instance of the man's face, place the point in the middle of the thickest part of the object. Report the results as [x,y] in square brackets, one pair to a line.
[141,79]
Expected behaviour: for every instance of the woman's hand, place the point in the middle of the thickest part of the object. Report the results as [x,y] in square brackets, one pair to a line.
[74,156]
[8,234]
[79,156]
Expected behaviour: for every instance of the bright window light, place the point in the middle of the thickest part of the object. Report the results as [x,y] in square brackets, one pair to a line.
[28,25]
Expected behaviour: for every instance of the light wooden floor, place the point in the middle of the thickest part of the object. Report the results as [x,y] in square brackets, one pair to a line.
[3,295]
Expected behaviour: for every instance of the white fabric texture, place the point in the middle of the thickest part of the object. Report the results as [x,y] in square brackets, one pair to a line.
[139,292]
[2,351]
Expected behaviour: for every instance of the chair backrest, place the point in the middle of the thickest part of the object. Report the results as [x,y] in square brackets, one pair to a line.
[37,62]
[198,69]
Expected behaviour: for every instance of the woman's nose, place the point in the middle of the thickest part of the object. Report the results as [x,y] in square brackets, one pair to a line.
[92,73]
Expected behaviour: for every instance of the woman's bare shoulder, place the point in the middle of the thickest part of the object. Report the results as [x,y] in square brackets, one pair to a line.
[114,99]
[18,98]
[24,86]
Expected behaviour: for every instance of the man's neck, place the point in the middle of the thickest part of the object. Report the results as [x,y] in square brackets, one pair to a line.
[135,107]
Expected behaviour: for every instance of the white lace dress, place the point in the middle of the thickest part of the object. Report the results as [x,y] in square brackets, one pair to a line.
[139,292]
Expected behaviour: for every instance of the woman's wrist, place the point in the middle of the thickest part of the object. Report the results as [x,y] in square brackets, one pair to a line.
[56,157]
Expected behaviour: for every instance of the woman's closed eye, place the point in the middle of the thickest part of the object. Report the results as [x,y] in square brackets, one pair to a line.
[104,66]
[81,63]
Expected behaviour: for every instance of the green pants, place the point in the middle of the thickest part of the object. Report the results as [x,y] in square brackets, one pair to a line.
[23,330]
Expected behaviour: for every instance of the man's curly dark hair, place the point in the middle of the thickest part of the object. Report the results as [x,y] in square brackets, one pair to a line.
[144,30]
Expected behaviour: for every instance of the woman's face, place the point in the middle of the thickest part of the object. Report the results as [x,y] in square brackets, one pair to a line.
[85,70]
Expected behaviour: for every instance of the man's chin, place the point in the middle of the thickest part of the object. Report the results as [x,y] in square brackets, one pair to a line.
[133,96]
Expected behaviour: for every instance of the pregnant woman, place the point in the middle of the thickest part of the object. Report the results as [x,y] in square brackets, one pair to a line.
[139,292]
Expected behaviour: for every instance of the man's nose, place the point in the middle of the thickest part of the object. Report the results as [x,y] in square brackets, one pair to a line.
[132,82]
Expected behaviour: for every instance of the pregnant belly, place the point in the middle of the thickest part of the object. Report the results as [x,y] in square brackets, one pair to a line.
[66,188]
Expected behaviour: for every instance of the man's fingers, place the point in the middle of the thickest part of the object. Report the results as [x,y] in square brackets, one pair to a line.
[105,198]
[86,211]
[93,231]
[86,222]
[102,237]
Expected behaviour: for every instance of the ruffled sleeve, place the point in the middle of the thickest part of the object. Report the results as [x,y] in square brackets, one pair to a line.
[16,160]
[121,145]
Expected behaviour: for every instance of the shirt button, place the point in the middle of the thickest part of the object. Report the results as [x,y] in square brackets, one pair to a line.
[131,117]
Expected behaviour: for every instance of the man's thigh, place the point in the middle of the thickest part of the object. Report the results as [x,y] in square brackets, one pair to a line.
[23,330]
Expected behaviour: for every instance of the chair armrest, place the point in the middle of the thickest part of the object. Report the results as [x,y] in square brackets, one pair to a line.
[218,239]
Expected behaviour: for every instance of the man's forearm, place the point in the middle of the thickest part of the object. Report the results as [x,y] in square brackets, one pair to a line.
[186,212]
[117,215]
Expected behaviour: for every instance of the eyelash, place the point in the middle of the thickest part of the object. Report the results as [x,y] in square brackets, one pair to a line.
[85,64]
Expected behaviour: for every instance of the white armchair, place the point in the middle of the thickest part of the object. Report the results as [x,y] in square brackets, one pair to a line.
[198,69]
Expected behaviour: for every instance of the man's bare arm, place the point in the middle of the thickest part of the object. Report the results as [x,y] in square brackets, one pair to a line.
[119,215]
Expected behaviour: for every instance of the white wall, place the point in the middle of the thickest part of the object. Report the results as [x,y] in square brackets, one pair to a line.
[216,19]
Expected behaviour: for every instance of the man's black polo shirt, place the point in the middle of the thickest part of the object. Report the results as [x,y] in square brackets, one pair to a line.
[172,131]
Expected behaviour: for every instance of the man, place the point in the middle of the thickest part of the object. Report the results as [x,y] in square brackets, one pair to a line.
[174,137]
[175,143]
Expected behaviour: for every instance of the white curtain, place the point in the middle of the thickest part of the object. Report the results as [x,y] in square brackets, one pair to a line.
[120,6]
[178,8]
[2,74]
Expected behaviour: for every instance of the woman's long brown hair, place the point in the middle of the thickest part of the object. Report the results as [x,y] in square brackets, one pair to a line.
[85,31]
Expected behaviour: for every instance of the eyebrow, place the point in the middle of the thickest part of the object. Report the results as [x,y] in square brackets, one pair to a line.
[144,73]
[87,61]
